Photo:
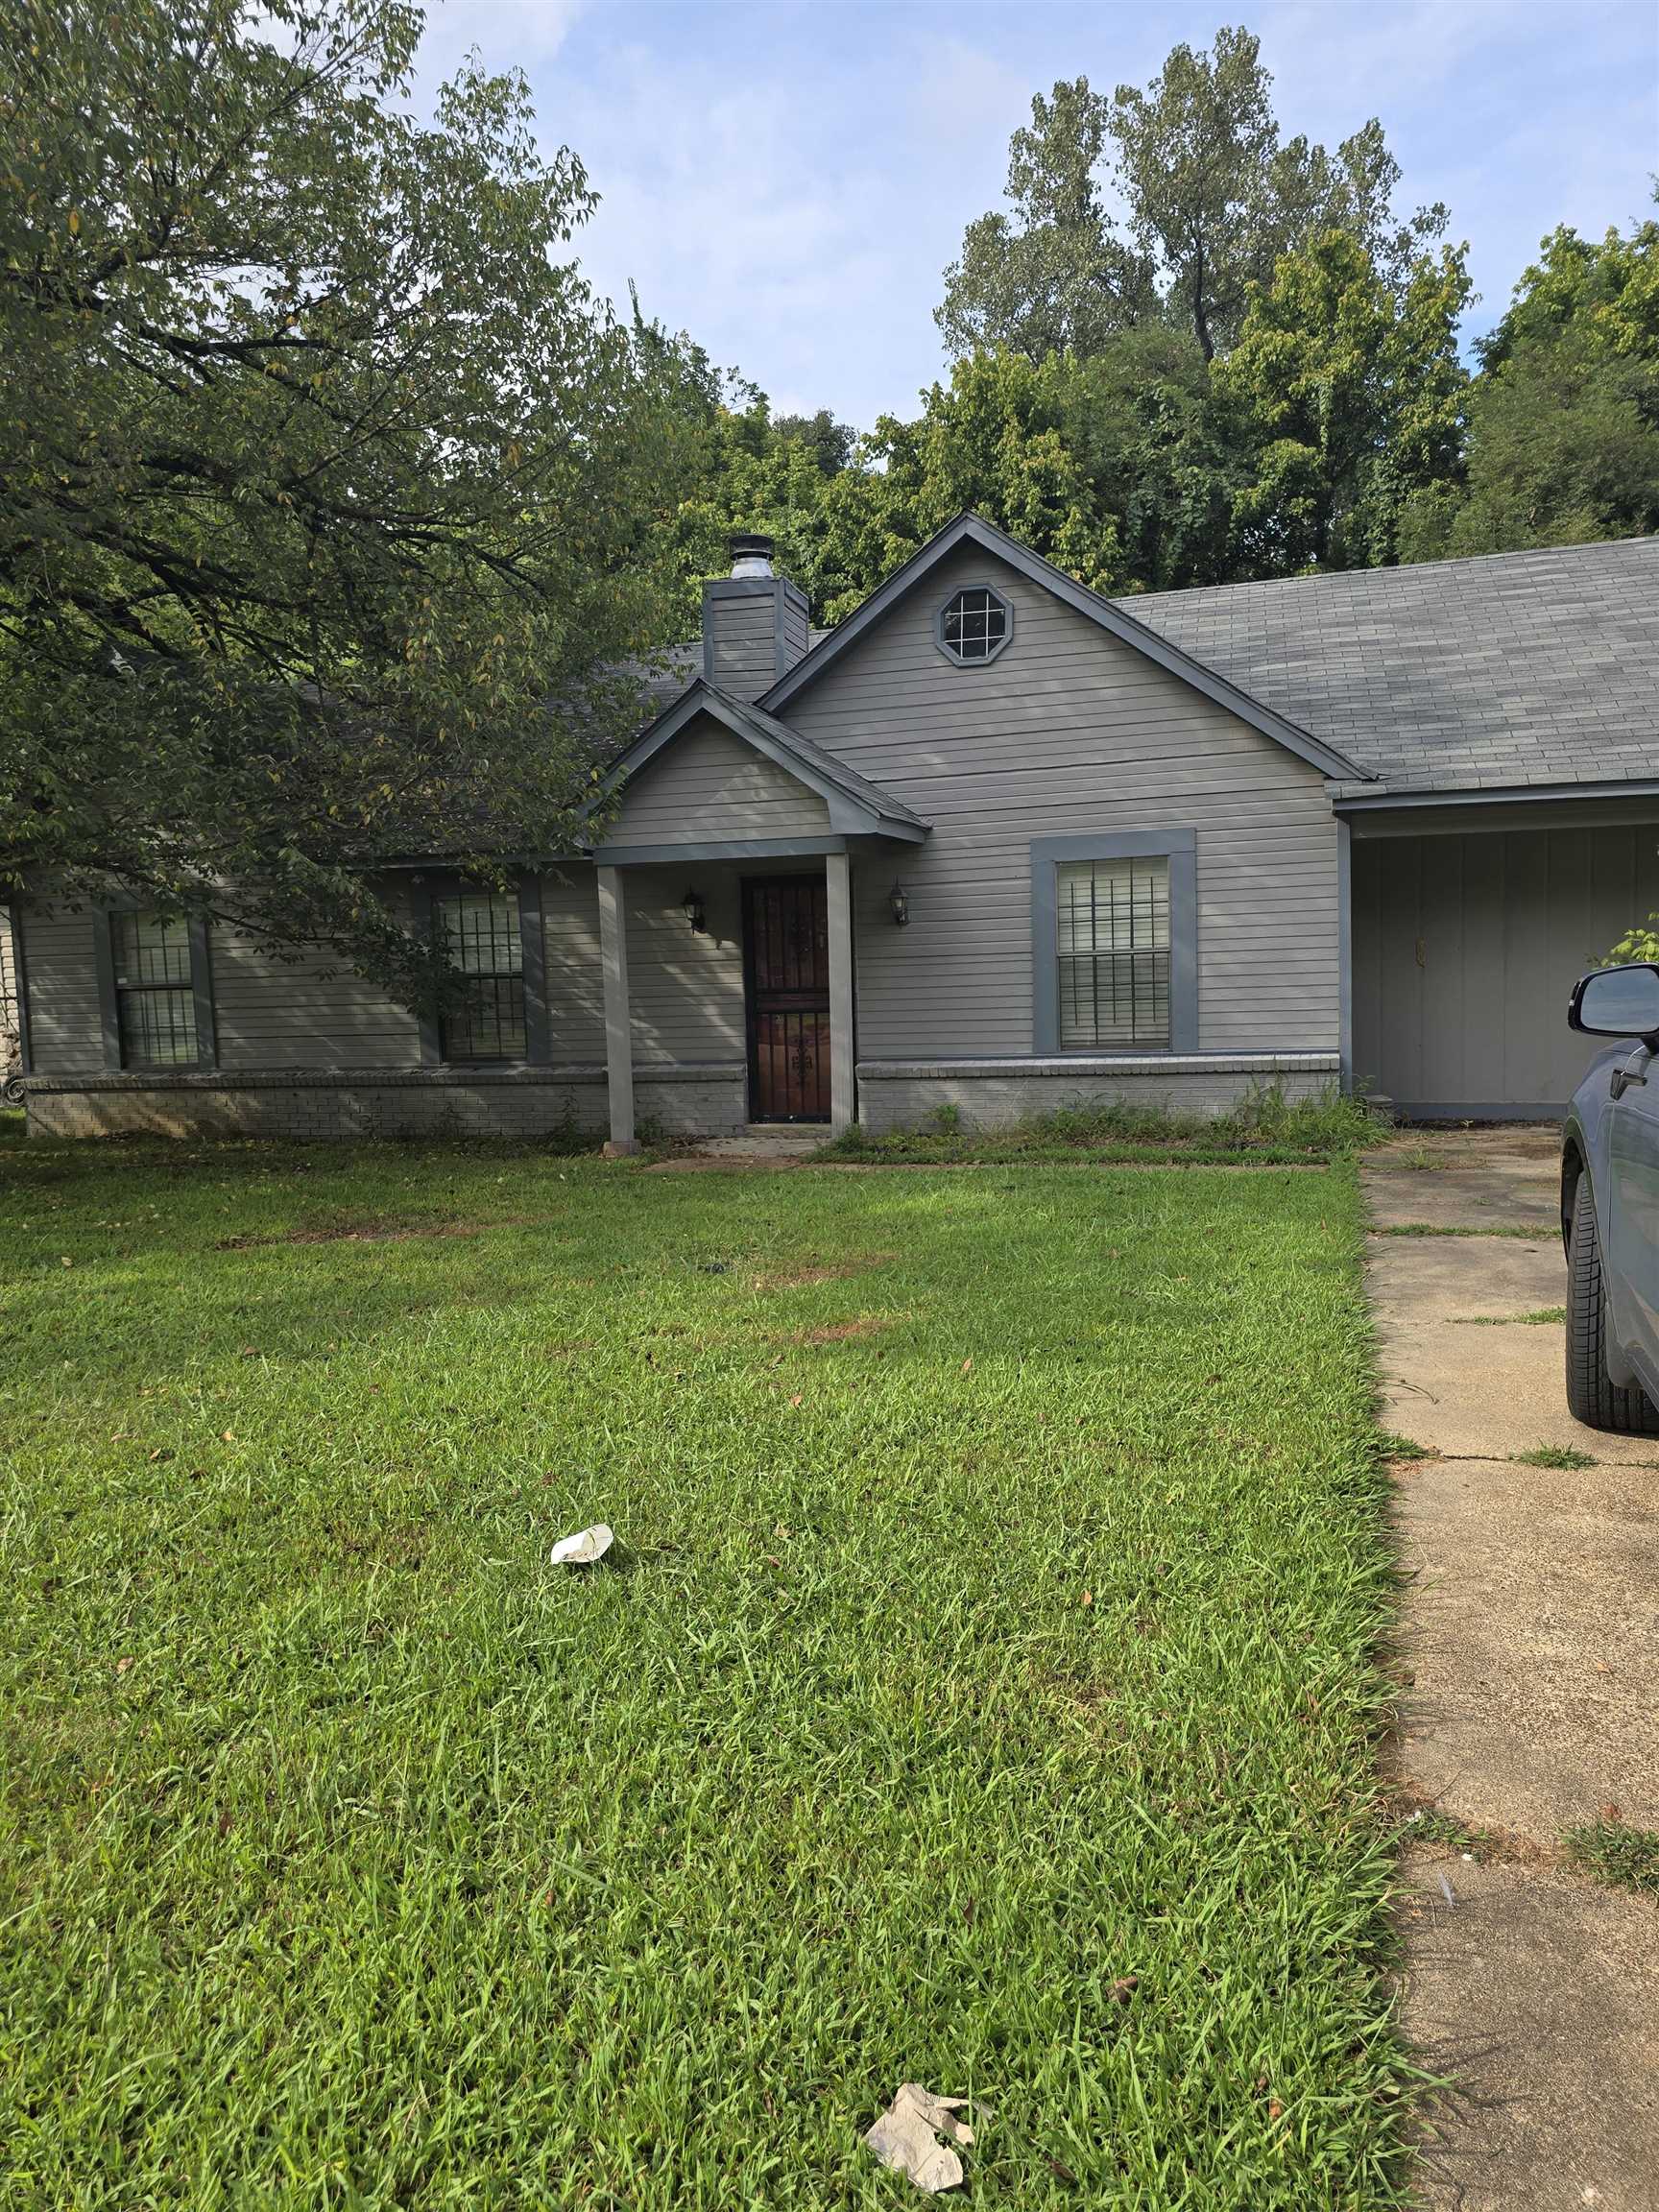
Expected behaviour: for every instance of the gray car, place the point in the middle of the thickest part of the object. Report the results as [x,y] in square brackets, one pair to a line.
[1610,1206]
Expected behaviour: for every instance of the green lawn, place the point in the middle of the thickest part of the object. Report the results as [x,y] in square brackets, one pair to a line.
[981,1693]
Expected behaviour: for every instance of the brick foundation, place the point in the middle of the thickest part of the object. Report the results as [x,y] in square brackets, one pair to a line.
[689,1101]
[994,1093]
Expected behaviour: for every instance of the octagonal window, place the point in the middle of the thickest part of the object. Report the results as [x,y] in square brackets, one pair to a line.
[975,625]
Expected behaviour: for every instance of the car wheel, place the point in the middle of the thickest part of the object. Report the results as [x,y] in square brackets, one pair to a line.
[11,1091]
[1592,1396]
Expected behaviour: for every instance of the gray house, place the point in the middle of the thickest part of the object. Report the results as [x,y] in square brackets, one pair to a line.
[995,842]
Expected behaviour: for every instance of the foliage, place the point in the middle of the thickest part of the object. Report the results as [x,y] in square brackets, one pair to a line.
[1253,372]
[1002,1557]
[1639,943]
[1352,392]
[1055,278]
[1264,1125]
[1213,198]
[1194,154]
[328,490]
[1563,437]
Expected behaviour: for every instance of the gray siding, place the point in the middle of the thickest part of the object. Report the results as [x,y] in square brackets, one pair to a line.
[293,1015]
[754,629]
[743,645]
[66,1029]
[1068,732]
[268,1013]
[306,1013]
[686,990]
[709,784]
[8,970]
[575,986]
[1465,949]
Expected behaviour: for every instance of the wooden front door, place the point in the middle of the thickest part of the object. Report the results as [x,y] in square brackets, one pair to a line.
[786,961]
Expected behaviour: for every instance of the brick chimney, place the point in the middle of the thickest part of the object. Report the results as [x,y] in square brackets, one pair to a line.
[755,622]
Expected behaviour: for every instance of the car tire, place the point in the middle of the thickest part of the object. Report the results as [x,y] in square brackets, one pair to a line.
[1592,1396]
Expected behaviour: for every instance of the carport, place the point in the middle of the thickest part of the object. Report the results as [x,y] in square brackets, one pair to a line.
[1503,828]
[1470,924]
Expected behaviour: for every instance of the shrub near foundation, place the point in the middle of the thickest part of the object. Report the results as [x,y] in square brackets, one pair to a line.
[1264,1126]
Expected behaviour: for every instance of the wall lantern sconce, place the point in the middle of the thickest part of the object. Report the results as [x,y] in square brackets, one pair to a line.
[900,903]
[692,907]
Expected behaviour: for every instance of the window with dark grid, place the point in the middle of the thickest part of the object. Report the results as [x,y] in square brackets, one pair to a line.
[153,998]
[484,943]
[1112,927]
[975,625]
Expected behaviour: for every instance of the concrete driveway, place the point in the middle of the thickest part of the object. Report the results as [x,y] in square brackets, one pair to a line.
[1529,1668]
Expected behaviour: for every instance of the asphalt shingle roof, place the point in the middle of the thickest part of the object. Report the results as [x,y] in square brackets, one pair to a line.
[1512,669]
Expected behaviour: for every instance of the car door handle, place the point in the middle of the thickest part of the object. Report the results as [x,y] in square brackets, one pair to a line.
[1623,1078]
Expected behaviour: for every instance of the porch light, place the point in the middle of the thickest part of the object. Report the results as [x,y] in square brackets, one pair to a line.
[692,907]
[900,903]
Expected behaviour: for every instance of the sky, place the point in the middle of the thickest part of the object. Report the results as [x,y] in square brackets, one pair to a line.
[786,179]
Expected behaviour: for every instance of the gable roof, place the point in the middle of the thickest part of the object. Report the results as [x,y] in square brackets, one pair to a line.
[1510,672]
[1109,615]
[858,807]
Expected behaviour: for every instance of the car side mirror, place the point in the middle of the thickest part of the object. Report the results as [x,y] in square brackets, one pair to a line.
[1616,1002]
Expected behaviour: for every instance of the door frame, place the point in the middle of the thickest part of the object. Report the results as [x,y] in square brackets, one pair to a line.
[746,885]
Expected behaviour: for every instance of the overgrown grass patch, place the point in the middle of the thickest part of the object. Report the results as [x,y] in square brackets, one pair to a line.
[1542,1317]
[1264,1127]
[1626,1857]
[1540,1233]
[1000,1571]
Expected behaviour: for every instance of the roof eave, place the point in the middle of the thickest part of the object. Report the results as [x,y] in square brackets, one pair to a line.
[1377,797]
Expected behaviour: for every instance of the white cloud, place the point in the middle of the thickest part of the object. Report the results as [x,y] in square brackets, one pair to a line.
[524,35]
[789,182]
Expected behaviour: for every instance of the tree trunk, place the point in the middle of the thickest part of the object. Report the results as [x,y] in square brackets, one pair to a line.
[1200,320]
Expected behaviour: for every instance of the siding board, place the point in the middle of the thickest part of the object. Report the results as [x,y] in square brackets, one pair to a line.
[709,784]
[1067,731]
[1506,920]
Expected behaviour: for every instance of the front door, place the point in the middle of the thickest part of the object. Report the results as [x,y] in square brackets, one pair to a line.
[786,964]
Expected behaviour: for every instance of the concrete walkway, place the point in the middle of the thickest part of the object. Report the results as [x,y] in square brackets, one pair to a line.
[1530,1691]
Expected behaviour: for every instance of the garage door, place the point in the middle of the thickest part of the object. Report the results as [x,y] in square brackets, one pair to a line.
[1465,948]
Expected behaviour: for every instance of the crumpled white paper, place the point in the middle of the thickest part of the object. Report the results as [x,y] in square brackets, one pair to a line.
[906,2137]
[582,1549]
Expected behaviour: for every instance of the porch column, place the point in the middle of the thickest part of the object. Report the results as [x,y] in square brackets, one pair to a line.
[843,1051]
[619,1030]
[1345,953]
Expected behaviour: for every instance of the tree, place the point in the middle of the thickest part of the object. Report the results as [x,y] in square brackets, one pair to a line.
[1194,153]
[1352,392]
[1563,445]
[1112,468]
[1212,199]
[752,471]
[829,443]
[1055,278]
[328,490]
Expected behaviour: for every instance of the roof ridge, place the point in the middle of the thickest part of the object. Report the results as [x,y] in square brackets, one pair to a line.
[1126,602]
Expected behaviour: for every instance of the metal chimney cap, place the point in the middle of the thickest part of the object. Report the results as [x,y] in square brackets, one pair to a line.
[750,554]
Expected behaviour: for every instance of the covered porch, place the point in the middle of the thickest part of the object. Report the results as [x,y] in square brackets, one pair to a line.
[740,840]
